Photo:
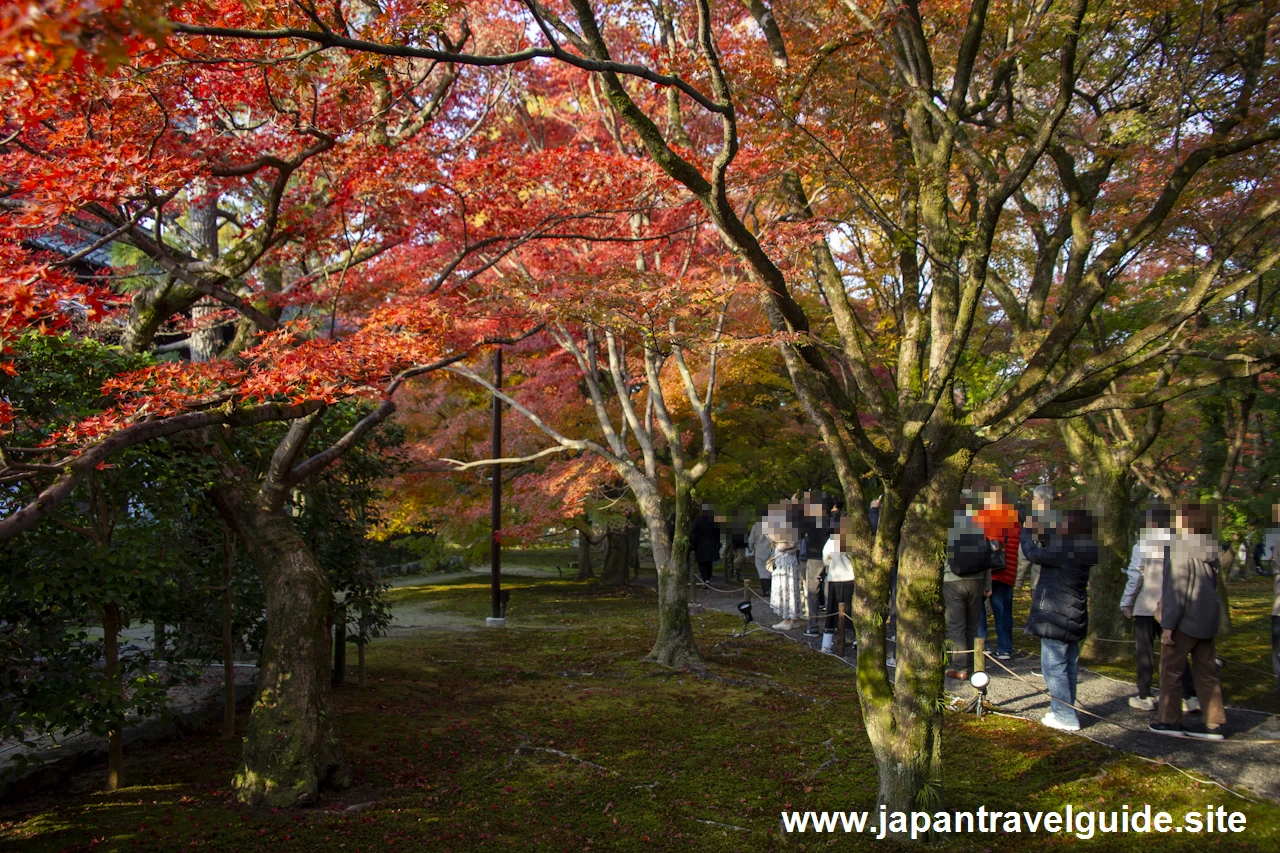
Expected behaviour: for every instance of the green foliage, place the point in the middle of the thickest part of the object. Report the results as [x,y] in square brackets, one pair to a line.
[107,546]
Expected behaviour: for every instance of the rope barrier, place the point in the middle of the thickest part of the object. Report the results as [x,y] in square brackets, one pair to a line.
[1089,713]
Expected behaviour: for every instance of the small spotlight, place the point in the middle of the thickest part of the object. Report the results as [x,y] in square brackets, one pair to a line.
[744,607]
[980,680]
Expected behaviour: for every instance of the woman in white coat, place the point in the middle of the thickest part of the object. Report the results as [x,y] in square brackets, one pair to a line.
[782,525]
[839,566]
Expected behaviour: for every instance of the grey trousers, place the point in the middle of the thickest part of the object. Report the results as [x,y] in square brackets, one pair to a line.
[963,600]
[812,569]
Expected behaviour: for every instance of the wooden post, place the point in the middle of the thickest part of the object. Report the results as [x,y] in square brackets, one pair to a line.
[979,654]
[840,630]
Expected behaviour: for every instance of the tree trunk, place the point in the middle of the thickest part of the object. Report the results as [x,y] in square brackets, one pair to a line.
[584,552]
[360,664]
[159,641]
[1107,484]
[674,645]
[1109,631]
[339,645]
[290,750]
[615,569]
[1232,566]
[904,720]
[111,655]
[633,544]
[228,641]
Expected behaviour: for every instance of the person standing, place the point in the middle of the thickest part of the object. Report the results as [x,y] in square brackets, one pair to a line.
[760,549]
[1041,508]
[999,522]
[836,559]
[966,584]
[1141,603]
[1189,624]
[1060,607]
[786,596]
[816,530]
[704,541]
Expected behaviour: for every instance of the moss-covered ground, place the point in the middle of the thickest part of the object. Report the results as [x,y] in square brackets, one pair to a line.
[552,735]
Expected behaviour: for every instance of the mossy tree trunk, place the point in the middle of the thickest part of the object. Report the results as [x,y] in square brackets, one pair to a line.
[674,645]
[903,716]
[290,749]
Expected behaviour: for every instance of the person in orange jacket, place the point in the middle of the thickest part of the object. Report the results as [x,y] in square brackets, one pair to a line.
[999,522]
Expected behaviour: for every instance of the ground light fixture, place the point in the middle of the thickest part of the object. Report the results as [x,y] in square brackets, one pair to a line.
[744,607]
[980,680]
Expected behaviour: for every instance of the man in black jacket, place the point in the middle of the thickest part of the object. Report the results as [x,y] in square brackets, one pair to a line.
[1060,607]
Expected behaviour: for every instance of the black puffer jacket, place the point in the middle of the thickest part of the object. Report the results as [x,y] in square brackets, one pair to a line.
[1060,605]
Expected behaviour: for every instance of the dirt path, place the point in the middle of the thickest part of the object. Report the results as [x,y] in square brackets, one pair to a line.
[1240,762]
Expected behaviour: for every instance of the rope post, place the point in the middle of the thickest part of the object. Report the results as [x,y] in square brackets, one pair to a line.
[979,654]
[840,632]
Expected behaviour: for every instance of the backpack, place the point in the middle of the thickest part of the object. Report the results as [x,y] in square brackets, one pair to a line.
[971,554]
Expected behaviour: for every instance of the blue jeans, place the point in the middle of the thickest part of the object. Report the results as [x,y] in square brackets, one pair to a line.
[1002,610]
[1059,661]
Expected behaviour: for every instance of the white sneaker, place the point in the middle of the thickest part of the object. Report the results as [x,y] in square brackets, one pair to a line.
[784,625]
[1190,706]
[1147,704]
[891,660]
[1054,723]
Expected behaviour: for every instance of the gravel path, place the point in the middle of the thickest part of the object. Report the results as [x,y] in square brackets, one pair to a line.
[1240,762]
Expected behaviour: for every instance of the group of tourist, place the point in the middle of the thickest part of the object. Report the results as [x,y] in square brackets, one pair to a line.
[801,551]
[1171,594]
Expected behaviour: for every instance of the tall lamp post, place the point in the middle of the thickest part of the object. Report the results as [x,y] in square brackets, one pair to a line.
[497,617]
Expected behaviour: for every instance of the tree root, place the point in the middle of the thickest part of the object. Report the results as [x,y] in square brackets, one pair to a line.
[725,825]
[824,765]
[527,748]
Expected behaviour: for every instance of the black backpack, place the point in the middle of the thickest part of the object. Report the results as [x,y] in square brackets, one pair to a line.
[971,554]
